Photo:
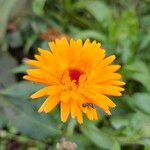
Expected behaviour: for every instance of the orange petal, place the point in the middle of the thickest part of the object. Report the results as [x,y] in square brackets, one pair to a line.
[109,76]
[104,100]
[114,82]
[111,68]
[49,104]
[79,115]
[65,110]
[100,100]
[108,60]
[39,80]
[110,90]
[44,75]
[34,63]
[82,80]
[45,53]
[95,117]
[65,96]
[37,57]
[106,89]
[73,105]
[89,114]
[50,90]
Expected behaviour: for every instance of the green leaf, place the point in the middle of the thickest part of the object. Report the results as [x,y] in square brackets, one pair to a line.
[145,42]
[23,89]
[15,39]
[23,116]
[143,78]
[135,130]
[2,119]
[140,123]
[119,121]
[30,41]
[38,6]
[139,71]
[98,9]
[6,64]
[82,141]
[91,34]
[5,10]
[146,20]
[116,146]
[20,69]
[97,136]
[137,66]
[146,142]
[141,101]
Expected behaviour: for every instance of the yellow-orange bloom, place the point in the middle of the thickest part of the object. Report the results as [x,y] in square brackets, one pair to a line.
[78,77]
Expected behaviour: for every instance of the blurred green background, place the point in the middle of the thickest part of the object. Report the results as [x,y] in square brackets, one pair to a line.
[123,28]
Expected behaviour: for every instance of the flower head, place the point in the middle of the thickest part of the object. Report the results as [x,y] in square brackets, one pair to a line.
[78,77]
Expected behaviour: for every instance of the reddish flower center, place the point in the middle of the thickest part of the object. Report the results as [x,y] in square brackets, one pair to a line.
[75,74]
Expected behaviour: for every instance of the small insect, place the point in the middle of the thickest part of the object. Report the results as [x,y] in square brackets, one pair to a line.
[88,105]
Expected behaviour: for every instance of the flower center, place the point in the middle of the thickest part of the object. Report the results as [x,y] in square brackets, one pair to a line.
[75,74]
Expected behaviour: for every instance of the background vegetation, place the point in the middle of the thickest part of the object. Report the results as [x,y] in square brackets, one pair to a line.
[123,28]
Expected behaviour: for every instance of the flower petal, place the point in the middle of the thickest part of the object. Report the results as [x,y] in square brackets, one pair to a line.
[73,108]
[49,104]
[65,110]
[79,115]
[65,96]
[50,90]
[114,82]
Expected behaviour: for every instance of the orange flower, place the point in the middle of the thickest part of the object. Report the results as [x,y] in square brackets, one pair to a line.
[78,77]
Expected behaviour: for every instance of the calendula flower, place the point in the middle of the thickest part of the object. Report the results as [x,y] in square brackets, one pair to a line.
[78,77]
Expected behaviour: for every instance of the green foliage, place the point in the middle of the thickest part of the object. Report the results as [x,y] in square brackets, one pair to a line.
[38,6]
[5,10]
[123,28]
[98,9]
[21,116]
[98,137]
